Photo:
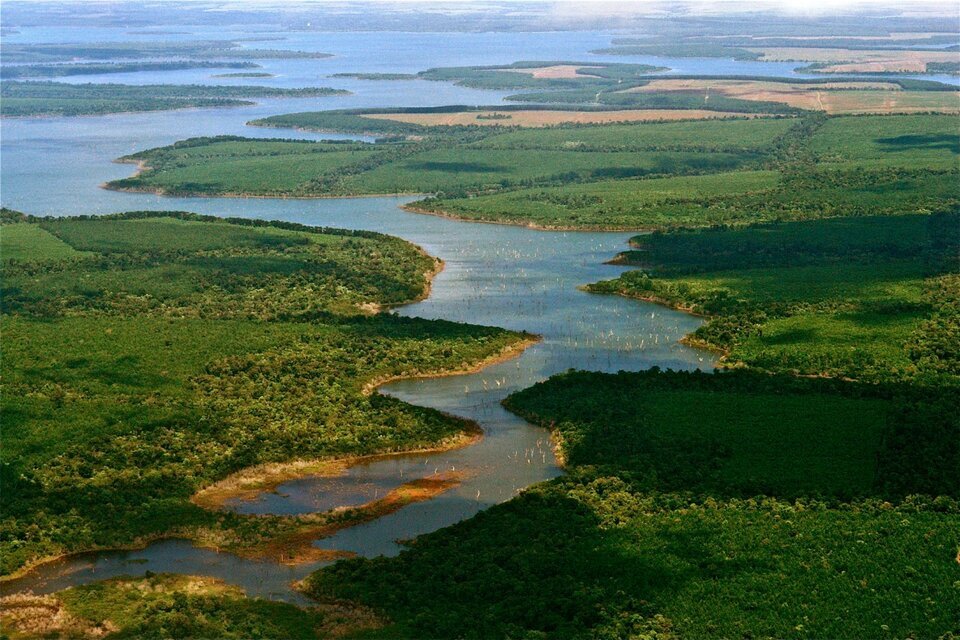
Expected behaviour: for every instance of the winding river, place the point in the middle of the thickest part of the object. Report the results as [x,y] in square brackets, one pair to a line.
[507,276]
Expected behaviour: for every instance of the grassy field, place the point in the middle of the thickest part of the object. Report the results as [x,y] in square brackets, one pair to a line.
[739,135]
[240,166]
[539,75]
[547,118]
[800,297]
[852,61]
[149,355]
[879,142]
[833,97]
[451,160]
[611,204]
[613,176]
[828,167]
[36,98]
[30,242]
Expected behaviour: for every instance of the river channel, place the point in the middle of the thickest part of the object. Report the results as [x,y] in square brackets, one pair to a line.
[507,276]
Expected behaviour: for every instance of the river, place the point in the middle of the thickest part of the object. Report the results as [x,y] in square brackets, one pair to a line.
[505,276]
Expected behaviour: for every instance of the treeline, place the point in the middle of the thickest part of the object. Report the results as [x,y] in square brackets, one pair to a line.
[54,98]
[10,72]
[678,51]
[639,100]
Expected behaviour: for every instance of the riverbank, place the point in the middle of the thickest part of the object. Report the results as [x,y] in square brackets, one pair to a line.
[200,365]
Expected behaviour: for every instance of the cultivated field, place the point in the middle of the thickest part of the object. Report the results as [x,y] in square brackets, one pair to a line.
[547,118]
[555,71]
[860,60]
[831,97]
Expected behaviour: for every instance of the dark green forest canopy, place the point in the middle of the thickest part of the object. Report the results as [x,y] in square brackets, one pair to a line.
[676,518]
[866,297]
[748,503]
[149,354]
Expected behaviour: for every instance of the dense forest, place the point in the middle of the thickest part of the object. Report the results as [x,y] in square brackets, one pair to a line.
[728,505]
[150,354]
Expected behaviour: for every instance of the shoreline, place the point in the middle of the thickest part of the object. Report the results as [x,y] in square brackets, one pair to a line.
[506,353]
[422,489]
[141,166]
[399,194]
[250,482]
[241,102]
[292,549]
[688,339]
[529,225]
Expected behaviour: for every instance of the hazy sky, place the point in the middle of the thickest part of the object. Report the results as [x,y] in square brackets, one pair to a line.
[949,9]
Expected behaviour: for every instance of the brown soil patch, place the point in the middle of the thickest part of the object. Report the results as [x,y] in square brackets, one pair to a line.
[860,61]
[737,88]
[297,548]
[251,482]
[891,101]
[546,118]
[555,71]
